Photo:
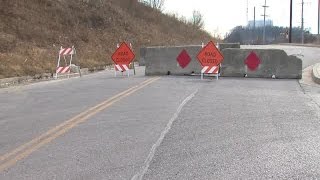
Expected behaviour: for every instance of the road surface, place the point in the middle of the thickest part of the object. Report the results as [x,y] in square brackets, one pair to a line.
[102,127]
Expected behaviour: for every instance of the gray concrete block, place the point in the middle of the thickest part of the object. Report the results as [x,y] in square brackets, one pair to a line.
[273,62]
[228,45]
[143,52]
[162,60]
[84,71]
[74,68]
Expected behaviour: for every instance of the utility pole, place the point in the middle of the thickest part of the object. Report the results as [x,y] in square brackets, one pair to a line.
[290,29]
[318,38]
[247,12]
[254,18]
[318,17]
[264,21]
[302,22]
[254,34]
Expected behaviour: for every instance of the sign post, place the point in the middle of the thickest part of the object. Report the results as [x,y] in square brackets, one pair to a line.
[210,58]
[122,58]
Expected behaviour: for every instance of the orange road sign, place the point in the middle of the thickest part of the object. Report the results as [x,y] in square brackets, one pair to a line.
[123,55]
[210,55]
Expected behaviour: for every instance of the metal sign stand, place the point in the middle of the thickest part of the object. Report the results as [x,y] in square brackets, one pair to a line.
[134,69]
[202,46]
[115,75]
[115,72]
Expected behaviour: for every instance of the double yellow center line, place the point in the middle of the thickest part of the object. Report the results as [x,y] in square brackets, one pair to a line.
[11,158]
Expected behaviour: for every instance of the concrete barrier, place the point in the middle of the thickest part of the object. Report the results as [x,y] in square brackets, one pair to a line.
[84,71]
[222,46]
[74,68]
[142,61]
[228,45]
[162,61]
[273,62]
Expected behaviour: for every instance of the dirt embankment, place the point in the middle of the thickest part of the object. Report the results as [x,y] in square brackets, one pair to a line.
[32,31]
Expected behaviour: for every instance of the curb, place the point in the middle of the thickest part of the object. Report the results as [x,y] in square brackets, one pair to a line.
[316,73]
[13,81]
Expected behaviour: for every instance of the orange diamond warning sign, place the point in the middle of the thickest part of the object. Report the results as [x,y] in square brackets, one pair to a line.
[210,55]
[123,55]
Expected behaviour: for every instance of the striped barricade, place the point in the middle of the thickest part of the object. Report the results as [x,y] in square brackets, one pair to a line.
[66,69]
[214,70]
[66,51]
[121,68]
[63,70]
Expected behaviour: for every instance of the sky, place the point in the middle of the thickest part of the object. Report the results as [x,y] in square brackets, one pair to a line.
[220,16]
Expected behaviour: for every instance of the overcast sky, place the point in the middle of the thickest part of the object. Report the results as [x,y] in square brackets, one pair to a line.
[222,15]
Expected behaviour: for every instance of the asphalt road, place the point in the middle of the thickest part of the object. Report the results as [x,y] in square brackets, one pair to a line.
[309,55]
[101,127]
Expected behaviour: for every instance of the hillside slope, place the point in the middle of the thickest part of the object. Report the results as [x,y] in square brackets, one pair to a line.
[32,31]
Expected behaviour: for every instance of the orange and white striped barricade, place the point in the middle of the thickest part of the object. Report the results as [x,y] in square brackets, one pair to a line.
[65,52]
[121,68]
[214,70]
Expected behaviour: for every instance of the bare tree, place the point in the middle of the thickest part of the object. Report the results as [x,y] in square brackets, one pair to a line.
[197,19]
[156,4]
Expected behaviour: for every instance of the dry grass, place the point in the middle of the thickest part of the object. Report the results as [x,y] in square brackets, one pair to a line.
[32,31]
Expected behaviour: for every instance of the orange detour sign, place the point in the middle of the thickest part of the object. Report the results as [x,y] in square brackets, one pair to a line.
[123,55]
[210,58]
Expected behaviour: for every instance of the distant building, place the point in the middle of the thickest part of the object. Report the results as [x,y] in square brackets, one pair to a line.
[259,23]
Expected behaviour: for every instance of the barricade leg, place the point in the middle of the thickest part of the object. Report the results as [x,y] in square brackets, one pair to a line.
[134,69]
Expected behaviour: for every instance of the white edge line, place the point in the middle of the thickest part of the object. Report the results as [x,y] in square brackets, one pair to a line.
[146,164]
